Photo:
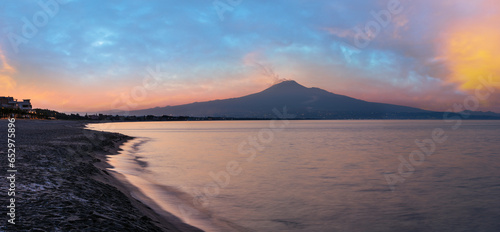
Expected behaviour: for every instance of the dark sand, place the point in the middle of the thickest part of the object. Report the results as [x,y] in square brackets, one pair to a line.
[62,183]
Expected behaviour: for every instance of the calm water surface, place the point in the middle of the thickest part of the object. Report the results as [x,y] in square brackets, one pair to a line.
[316,175]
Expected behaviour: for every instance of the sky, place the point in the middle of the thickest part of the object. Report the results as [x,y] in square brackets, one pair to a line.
[88,56]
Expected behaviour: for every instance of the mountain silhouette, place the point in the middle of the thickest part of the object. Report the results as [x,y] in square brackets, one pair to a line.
[303,102]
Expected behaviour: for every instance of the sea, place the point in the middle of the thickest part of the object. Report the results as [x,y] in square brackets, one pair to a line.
[339,175]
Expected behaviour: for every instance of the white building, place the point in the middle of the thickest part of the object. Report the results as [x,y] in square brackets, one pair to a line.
[10,102]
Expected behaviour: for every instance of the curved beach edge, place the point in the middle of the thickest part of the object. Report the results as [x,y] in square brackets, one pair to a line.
[161,218]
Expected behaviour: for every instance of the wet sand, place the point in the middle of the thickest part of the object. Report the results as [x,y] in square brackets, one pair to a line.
[62,182]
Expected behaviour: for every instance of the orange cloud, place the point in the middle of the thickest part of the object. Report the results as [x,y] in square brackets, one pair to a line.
[6,71]
[473,53]
[472,48]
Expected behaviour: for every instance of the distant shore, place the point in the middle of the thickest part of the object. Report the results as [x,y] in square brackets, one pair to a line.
[63,183]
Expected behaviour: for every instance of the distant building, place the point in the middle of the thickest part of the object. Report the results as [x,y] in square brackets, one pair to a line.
[25,104]
[10,102]
[7,102]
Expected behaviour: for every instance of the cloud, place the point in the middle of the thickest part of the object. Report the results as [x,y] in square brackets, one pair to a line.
[93,51]
[7,83]
[472,49]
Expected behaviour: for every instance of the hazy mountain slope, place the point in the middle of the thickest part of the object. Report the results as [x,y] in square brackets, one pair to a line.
[299,100]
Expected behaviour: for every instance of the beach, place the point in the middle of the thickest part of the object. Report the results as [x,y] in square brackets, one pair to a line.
[62,182]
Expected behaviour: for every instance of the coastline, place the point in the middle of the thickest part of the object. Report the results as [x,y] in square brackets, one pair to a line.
[63,182]
[147,206]
[169,202]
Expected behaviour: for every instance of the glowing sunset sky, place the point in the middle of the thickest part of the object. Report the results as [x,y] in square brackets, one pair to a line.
[86,56]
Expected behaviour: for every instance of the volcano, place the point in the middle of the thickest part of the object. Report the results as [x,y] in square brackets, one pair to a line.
[300,101]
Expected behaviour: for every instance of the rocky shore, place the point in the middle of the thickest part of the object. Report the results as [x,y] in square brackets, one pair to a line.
[62,183]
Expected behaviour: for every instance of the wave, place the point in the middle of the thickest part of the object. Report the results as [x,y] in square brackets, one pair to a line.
[132,163]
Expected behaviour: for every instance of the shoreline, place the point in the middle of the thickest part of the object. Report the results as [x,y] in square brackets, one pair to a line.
[175,211]
[63,183]
[145,204]
[167,201]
